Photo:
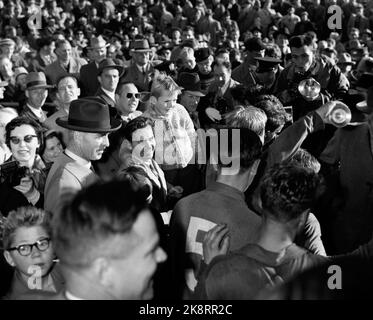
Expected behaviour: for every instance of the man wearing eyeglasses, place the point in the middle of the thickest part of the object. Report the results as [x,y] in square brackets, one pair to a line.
[127,99]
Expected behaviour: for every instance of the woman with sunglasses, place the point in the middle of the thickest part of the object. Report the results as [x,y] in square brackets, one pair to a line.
[23,137]
[28,249]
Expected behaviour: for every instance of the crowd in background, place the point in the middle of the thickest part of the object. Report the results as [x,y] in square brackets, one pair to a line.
[109,188]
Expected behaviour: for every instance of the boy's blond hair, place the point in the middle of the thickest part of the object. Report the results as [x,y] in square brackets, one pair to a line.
[163,82]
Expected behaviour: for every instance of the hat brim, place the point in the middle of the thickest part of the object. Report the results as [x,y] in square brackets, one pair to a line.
[105,46]
[64,123]
[195,93]
[40,86]
[141,50]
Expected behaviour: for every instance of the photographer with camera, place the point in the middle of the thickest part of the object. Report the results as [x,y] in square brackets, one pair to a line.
[23,175]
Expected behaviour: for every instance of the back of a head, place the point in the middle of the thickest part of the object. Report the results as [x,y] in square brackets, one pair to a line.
[274,110]
[248,117]
[300,41]
[304,159]
[287,191]
[85,227]
[239,148]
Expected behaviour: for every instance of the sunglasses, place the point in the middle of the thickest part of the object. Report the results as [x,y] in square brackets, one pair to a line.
[130,95]
[26,249]
[27,139]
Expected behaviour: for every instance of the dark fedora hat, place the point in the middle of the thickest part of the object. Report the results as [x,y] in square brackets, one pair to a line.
[36,80]
[202,54]
[140,45]
[190,82]
[109,63]
[89,114]
[267,64]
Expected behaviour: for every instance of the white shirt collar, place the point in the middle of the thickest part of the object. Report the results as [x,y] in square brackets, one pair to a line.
[78,159]
[70,296]
[141,68]
[110,94]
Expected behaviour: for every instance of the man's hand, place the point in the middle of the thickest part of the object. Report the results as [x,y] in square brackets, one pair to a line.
[213,114]
[216,242]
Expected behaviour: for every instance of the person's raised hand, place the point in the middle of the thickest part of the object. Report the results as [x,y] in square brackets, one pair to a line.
[213,114]
[216,242]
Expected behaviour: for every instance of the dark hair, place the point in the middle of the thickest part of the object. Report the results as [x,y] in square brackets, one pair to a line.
[274,110]
[46,41]
[300,41]
[50,135]
[94,216]
[69,75]
[304,159]
[249,144]
[19,121]
[287,191]
[60,42]
[138,179]
[135,124]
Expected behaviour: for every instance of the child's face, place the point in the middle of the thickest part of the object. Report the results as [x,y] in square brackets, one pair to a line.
[26,264]
[166,102]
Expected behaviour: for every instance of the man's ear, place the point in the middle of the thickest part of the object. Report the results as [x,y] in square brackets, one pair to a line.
[117,97]
[27,94]
[99,79]
[152,100]
[79,92]
[9,258]
[101,269]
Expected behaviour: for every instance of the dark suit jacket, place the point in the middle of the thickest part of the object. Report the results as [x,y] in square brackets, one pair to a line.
[133,74]
[26,112]
[101,93]
[54,71]
[88,79]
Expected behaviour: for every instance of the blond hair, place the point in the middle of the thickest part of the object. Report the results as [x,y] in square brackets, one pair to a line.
[163,82]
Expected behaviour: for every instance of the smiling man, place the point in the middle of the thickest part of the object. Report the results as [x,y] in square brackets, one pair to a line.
[89,124]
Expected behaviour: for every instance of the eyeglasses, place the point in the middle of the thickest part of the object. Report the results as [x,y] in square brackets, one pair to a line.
[130,95]
[26,249]
[27,139]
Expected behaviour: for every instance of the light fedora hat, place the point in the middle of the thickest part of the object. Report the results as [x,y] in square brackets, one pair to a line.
[36,80]
[98,42]
[89,114]
[140,45]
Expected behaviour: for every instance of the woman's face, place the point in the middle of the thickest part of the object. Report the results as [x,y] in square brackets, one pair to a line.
[24,151]
[53,148]
[37,263]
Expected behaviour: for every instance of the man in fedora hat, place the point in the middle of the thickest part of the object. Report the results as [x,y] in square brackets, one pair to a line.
[190,95]
[141,69]
[109,73]
[89,124]
[36,94]
[89,72]
[204,61]
[65,63]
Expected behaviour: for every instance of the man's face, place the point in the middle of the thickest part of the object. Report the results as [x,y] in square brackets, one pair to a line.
[64,52]
[205,66]
[188,34]
[267,78]
[354,34]
[27,264]
[109,79]
[7,50]
[302,58]
[67,90]
[141,58]
[132,275]
[6,67]
[50,48]
[92,145]
[37,97]
[127,102]
[190,61]
[189,101]
[143,143]
[222,75]
[166,102]
[98,54]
